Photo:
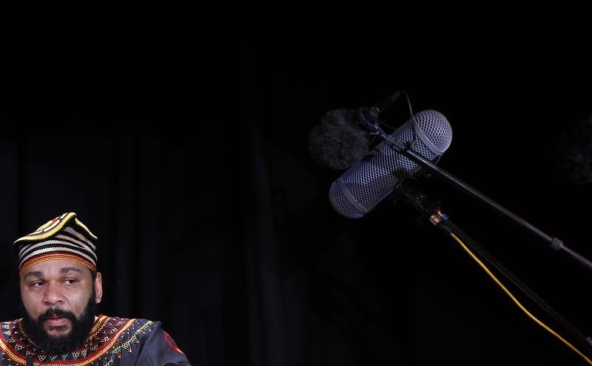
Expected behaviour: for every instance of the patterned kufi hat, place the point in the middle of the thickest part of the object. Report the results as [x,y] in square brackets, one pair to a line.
[64,237]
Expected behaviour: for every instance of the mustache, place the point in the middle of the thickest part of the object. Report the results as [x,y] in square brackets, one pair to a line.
[52,313]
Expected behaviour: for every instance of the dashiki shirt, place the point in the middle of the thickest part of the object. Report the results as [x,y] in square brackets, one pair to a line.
[113,341]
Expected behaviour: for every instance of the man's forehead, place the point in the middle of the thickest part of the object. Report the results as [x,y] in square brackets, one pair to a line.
[56,266]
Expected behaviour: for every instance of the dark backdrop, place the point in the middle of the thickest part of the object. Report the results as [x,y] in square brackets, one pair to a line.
[213,217]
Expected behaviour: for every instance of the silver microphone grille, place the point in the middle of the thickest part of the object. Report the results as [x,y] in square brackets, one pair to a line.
[370,180]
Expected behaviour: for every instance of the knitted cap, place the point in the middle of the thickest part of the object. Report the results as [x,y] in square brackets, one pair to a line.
[63,237]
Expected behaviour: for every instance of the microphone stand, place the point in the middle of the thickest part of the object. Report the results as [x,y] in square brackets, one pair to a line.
[555,243]
[369,119]
[431,210]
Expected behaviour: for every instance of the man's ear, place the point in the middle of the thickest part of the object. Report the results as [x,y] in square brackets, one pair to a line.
[98,287]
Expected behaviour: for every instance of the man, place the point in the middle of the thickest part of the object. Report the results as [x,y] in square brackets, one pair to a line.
[60,288]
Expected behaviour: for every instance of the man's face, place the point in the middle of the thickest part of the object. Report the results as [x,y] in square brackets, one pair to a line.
[59,299]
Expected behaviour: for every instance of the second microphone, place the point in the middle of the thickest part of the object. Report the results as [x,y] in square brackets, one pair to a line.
[360,188]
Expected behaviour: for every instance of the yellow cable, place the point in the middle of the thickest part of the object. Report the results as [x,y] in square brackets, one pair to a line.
[518,302]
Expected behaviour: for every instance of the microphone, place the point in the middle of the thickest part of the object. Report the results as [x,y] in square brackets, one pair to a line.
[343,137]
[360,188]
[338,141]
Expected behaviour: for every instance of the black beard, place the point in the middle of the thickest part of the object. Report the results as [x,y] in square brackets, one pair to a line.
[63,344]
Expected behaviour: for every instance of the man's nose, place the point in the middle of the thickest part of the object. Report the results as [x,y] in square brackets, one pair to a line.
[53,294]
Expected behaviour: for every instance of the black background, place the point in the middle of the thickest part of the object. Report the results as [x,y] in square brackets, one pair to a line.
[215,219]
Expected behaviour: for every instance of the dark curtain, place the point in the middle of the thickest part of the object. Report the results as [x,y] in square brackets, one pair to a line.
[213,218]
[390,288]
[164,204]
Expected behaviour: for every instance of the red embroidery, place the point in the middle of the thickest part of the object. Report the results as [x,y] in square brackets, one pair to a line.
[169,340]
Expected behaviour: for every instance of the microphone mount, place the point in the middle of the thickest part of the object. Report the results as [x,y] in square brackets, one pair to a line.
[368,116]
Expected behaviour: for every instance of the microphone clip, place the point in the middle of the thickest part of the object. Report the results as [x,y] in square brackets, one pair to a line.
[368,116]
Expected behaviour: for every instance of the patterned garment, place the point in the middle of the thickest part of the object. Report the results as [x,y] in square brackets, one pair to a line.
[113,341]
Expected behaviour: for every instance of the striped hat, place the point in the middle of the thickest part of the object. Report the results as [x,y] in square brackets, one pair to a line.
[63,237]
